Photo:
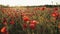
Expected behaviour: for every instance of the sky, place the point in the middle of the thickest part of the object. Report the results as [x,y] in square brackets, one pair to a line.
[28,2]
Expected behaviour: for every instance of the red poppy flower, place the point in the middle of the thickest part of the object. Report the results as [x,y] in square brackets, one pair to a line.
[24,26]
[5,23]
[55,8]
[33,22]
[43,8]
[12,22]
[25,18]
[3,29]
[32,26]
[54,14]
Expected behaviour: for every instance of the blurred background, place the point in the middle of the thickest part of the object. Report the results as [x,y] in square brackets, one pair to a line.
[29,2]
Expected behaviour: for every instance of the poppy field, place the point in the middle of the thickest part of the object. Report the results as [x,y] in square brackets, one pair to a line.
[30,20]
